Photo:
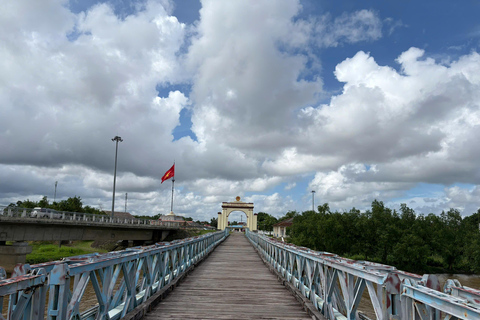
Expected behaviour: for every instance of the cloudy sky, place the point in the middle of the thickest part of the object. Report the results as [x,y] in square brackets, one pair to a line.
[267,100]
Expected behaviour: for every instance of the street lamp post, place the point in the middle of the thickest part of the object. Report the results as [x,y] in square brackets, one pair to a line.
[313,200]
[116,139]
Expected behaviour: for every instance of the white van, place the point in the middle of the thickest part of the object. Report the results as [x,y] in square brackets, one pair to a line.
[45,213]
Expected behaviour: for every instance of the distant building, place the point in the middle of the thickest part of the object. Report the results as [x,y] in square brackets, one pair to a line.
[118,214]
[280,229]
[169,220]
[171,217]
[237,227]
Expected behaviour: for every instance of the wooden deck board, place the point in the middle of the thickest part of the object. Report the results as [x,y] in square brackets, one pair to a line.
[233,283]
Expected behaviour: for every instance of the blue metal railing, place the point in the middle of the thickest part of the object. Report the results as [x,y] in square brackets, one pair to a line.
[121,280]
[335,285]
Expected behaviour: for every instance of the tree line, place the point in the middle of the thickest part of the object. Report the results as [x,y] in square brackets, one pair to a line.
[416,243]
[72,204]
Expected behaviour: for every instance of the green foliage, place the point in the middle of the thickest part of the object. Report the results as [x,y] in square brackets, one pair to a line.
[288,215]
[410,242]
[70,205]
[24,204]
[43,252]
[265,221]
[214,222]
[155,217]
[43,203]
[91,210]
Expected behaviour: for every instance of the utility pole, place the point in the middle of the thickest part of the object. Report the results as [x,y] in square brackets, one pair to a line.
[126,194]
[55,194]
[313,200]
[116,139]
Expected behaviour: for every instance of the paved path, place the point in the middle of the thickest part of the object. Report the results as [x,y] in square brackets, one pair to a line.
[232,283]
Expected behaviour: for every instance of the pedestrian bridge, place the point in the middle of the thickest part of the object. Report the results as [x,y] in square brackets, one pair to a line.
[227,276]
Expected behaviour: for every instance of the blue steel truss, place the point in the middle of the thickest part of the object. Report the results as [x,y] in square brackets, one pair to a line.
[335,285]
[121,280]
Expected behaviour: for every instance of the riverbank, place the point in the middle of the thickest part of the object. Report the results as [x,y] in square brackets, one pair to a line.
[44,251]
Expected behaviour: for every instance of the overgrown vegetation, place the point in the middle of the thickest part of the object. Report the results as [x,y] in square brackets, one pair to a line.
[416,243]
[48,251]
[44,251]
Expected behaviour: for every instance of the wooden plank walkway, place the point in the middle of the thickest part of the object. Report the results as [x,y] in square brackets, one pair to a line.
[232,283]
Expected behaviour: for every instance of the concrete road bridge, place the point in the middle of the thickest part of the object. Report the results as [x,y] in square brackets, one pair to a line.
[18,225]
[228,276]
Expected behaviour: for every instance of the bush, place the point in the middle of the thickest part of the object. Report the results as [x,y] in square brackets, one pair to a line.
[46,251]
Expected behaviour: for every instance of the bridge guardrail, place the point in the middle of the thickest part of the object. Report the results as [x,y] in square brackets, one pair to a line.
[121,280]
[26,213]
[335,285]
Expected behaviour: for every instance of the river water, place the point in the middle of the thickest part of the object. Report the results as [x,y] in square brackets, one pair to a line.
[472,281]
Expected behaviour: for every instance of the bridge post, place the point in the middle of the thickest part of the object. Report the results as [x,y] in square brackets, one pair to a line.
[220,223]
[11,255]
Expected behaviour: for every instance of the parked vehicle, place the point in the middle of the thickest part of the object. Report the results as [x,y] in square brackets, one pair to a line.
[45,213]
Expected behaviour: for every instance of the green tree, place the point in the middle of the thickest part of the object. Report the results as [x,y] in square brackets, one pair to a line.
[385,222]
[411,253]
[70,205]
[91,210]
[351,235]
[453,237]
[288,215]
[24,204]
[214,222]
[43,203]
[144,217]
[306,231]
[470,226]
[265,221]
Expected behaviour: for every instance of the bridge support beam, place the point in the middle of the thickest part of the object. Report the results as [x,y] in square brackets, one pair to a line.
[10,255]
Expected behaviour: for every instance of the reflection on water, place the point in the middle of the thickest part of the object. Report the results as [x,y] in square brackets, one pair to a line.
[472,281]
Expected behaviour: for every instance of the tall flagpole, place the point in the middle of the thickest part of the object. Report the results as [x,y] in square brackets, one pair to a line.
[173,183]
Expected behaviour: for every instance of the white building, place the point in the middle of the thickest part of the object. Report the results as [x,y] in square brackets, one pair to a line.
[280,228]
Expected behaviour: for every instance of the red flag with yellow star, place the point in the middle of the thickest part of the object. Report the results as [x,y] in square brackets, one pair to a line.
[169,174]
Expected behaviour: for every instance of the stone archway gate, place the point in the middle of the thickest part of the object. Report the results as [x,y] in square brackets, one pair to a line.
[229,207]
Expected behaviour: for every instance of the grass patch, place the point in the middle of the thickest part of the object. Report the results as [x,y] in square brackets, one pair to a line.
[44,251]
[202,232]
[47,251]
